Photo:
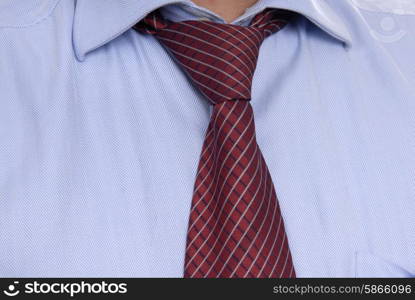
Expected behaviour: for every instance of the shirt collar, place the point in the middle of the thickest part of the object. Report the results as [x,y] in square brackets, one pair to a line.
[97,22]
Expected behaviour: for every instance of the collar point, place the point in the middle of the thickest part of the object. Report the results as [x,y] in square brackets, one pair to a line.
[79,54]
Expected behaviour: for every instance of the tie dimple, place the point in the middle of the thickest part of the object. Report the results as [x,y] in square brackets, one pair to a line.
[235,225]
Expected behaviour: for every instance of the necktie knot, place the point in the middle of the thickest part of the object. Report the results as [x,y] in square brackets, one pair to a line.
[219,58]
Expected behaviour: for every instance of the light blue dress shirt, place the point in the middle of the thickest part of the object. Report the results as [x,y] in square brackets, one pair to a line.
[101,132]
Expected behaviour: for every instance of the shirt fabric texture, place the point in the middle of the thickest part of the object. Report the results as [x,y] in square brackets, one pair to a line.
[101,133]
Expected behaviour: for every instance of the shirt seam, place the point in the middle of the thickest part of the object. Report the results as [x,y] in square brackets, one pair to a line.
[37,21]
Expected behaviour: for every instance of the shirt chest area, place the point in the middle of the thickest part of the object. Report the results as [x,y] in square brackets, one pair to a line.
[130,102]
[118,137]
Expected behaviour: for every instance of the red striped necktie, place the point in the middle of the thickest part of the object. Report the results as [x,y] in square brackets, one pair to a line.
[235,226]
